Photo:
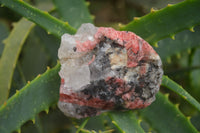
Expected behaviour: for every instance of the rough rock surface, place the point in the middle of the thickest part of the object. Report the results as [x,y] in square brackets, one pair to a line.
[104,69]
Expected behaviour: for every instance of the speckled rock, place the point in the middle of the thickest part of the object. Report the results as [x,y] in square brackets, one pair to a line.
[104,69]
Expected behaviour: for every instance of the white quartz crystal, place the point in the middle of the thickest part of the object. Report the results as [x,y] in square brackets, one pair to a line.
[75,71]
[86,32]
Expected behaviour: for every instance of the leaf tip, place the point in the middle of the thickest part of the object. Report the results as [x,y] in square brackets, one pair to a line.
[67,23]
[87,3]
[189,118]
[33,120]
[17,91]
[92,17]
[178,55]
[114,122]
[169,5]
[120,25]
[45,12]
[153,10]
[139,121]
[2,5]
[177,105]
[38,75]
[21,1]
[18,130]
[169,60]
[4,103]
[166,95]
[150,129]
[155,44]
[189,51]
[136,18]
[172,37]
[46,111]
[191,29]
[48,68]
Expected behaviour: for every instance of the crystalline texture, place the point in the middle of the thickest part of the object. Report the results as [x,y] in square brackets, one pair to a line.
[104,69]
[75,72]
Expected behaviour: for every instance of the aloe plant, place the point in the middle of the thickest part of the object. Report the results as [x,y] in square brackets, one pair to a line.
[22,102]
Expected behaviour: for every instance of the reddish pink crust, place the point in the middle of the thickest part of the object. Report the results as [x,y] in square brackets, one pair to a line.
[93,58]
[93,102]
[137,103]
[62,81]
[85,100]
[137,48]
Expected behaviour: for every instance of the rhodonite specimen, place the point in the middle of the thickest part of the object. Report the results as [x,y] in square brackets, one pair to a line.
[104,69]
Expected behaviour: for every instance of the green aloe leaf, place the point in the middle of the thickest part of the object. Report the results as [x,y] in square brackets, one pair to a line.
[4,32]
[36,96]
[49,42]
[183,41]
[82,125]
[75,12]
[167,21]
[34,59]
[170,84]
[13,45]
[42,18]
[45,87]
[195,74]
[164,117]
[126,122]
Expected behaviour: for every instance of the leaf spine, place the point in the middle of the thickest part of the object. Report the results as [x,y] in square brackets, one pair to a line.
[166,95]
[169,5]
[87,3]
[33,120]
[192,29]
[153,10]
[136,18]
[172,37]
[169,60]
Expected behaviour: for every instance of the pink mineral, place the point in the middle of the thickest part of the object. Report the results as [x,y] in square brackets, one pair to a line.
[104,69]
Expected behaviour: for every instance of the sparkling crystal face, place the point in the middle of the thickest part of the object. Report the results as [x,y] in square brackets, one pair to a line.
[104,69]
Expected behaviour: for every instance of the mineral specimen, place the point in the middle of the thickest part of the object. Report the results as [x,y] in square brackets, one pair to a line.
[104,69]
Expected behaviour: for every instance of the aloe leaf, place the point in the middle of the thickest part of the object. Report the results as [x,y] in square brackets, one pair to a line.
[34,59]
[10,55]
[126,122]
[167,21]
[170,84]
[18,80]
[37,86]
[36,96]
[4,31]
[42,18]
[75,12]
[183,41]
[97,123]
[196,121]
[195,74]
[82,125]
[164,117]
[53,121]
[49,42]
